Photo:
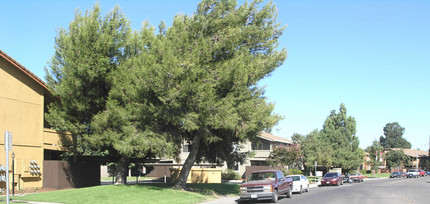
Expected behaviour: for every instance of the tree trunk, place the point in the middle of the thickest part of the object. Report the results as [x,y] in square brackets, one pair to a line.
[189,162]
[75,147]
[121,170]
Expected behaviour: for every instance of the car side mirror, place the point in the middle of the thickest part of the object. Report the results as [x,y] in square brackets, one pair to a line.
[282,179]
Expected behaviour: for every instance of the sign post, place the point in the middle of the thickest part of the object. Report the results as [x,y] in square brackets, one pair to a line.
[7,148]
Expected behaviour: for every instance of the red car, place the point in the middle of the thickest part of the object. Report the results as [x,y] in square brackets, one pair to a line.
[332,178]
[422,172]
[356,177]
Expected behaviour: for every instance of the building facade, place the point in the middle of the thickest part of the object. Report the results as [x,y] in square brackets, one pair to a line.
[23,101]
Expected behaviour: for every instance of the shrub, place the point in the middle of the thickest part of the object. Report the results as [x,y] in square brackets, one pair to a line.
[368,171]
[230,174]
[363,172]
[292,172]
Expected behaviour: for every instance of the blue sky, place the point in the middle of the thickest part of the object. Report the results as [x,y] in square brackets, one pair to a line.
[373,56]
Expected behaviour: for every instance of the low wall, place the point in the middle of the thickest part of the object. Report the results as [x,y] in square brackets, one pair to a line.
[63,174]
[199,175]
[158,171]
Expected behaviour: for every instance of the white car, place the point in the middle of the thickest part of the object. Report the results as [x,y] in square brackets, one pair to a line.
[300,183]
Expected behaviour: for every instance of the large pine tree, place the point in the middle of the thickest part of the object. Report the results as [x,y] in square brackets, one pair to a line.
[81,74]
[339,132]
[202,88]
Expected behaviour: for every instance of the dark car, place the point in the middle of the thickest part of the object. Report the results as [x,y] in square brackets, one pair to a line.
[396,175]
[332,178]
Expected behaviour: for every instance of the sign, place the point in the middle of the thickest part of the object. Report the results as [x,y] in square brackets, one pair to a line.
[7,141]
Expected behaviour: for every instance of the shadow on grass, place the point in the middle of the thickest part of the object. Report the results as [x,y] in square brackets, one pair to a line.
[201,188]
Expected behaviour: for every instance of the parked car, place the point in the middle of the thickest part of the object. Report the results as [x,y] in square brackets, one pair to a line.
[404,174]
[413,173]
[266,185]
[428,173]
[422,172]
[356,177]
[396,174]
[300,183]
[332,178]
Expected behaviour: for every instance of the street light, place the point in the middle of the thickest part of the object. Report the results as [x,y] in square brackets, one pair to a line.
[13,173]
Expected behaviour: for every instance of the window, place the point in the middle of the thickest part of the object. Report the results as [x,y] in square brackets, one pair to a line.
[236,167]
[259,163]
[261,145]
[186,148]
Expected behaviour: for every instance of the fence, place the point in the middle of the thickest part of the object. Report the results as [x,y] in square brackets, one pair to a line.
[63,174]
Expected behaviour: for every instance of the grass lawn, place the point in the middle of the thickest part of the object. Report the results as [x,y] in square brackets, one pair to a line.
[382,175]
[142,193]
[129,178]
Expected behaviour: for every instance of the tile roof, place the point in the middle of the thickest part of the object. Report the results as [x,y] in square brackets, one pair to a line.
[412,152]
[274,138]
[23,69]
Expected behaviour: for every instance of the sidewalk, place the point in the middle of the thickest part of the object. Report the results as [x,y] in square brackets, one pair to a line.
[233,199]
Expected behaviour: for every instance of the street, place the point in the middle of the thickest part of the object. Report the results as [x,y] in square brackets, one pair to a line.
[378,191]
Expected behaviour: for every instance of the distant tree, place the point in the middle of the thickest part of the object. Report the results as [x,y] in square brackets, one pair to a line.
[283,156]
[297,138]
[339,131]
[393,137]
[374,154]
[396,159]
[315,148]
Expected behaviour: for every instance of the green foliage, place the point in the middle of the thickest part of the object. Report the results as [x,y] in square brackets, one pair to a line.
[141,94]
[363,172]
[80,76]
[199,80]
[230,174]
[396,159]
[315,148]
[375,159]
[339,131]
[293,172]
[298,138]
[393,137]
[283,156]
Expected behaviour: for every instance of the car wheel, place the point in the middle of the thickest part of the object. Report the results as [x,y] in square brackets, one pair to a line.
[275,197]
[307,189]
[289,192]
[301,190]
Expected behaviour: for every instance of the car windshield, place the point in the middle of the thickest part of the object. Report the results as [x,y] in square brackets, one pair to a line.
[394,173]
[330,175]
[262,176]
[354,174]
[413,170]
[295,178]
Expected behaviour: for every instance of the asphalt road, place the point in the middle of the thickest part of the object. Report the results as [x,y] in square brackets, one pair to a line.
[378,191]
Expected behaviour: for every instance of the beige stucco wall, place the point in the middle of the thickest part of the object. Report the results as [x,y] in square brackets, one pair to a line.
[21,99]
[21,112]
